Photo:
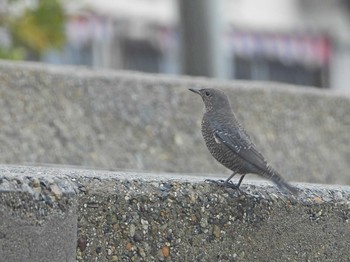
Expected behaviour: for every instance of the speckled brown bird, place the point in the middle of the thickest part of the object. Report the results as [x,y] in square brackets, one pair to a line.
[229,143]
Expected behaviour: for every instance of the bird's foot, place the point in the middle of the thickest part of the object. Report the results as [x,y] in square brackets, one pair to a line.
[223,183]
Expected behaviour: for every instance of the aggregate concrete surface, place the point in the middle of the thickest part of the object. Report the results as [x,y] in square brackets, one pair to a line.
[38,216]
[123,120]
[128,216]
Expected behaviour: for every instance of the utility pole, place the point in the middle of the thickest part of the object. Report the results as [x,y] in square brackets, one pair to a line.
[203,34]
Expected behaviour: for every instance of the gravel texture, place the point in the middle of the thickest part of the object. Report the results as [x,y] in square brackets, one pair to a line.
[128,216]
[38,216]
[123,120]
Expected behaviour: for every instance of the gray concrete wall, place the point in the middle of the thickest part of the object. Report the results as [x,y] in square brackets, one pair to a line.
[38,216]
[46,214]
[124,120]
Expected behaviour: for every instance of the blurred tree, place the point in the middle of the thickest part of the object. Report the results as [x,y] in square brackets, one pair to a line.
[33,29]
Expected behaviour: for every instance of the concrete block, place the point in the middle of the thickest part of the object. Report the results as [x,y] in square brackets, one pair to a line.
[38,216]
[124,120]
[128,216]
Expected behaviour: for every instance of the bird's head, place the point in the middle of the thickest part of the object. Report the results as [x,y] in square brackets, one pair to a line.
[214,99]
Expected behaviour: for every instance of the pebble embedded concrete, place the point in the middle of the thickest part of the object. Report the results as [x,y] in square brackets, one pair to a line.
[126,216]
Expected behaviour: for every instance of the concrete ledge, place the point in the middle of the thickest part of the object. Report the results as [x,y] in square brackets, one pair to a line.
[124,120]
[46,214]
[38,216]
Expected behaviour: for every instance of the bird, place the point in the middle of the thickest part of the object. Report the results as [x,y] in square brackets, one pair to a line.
[230,144]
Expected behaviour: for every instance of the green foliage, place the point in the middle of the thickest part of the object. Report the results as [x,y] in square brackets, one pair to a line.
[12,53]
[36,30]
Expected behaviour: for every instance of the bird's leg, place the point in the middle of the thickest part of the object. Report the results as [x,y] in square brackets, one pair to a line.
[240,181]
[227,183]
[221,182]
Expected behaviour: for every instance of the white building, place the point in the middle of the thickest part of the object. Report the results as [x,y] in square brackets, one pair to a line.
[304,42]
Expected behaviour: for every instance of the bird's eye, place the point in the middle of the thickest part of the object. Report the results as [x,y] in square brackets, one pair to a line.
[207,93]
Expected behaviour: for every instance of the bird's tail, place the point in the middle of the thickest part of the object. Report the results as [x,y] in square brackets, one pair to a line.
[280,182]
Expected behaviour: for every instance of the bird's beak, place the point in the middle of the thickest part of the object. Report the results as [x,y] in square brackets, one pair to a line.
[195,90]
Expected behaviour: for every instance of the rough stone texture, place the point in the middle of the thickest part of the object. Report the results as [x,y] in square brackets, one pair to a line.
[124,120]
[167,217]
[38,216]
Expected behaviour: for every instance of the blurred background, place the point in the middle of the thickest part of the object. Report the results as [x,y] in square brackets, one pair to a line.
[303,42]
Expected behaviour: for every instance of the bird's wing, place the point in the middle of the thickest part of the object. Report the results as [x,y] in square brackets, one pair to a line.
[240,143]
